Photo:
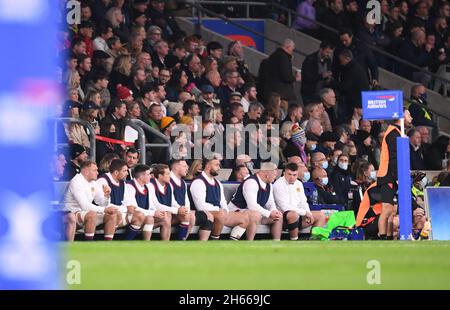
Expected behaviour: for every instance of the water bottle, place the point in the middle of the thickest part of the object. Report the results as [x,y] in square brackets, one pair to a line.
[315,197]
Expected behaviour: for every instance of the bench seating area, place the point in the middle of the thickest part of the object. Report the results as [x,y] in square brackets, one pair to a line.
[229,189]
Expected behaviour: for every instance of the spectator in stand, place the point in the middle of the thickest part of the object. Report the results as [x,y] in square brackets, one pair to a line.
[159,56]
[138,79]
[116,19]
[120,73]
[328,99]
[360,53]
[73,81]
[163,18]
[249,95]
[230,86]
[317,72]
[85,32]
[116,117]
[326,194]
[80,134]
[340,178]
[78,155]
[78,47]
[236,50]
[352,80]
[100,42]
[115,48]
[84,69]
[421,116]
[306,25]
[416,151]
[280,78]
[334,17]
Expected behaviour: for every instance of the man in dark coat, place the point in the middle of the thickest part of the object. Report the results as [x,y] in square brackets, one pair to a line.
[351,81]
[316,69]
[280,78]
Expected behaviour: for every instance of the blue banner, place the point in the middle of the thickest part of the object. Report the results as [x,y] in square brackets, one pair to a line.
[404,188]
[28,95]
[436,199]
[237,34]
[382,105]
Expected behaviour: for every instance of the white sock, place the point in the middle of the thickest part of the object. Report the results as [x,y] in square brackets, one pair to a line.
[135,227]
[237,232]
[294,238]
[276,239]
[148,227]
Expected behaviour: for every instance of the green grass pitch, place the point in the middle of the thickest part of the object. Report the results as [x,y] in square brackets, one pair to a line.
[260,265]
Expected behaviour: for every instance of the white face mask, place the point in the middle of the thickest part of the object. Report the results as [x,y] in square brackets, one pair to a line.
[424,182]
[325,165]
[325,181]
[343,166]
[373,175]
[306,176]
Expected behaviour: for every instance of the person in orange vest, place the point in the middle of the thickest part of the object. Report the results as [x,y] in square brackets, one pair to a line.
[381,195]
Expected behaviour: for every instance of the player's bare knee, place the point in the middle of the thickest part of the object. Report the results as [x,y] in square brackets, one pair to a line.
[255,216]
[90,216]
[292,216]
[70,219]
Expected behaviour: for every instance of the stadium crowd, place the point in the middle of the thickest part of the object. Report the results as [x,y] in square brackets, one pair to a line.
[130,60]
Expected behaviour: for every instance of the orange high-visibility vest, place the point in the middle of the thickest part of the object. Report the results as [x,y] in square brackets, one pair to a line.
[384,156]
[365,206]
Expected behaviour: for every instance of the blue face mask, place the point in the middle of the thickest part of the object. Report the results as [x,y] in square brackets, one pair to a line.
[343,166]
[325,181]
[423,97]
[306,176]
[325,165]
[313,147]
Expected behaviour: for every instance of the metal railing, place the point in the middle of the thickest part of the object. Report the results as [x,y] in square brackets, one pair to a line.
[243,3]
[290,13]
[140,126]
[57,145]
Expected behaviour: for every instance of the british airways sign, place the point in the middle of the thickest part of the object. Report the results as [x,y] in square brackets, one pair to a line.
[382,105]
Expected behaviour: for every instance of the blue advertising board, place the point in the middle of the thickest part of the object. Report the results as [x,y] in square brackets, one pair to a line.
[382,105]
[436,200]
[237,34]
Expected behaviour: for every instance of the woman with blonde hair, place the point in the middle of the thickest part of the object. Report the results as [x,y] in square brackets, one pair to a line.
[73,81]
[120,73]
[105,162]
[116,19]
[195,170]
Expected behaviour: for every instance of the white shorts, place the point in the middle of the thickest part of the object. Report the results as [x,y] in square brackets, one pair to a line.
[126,219]
[98,219]
[233,208]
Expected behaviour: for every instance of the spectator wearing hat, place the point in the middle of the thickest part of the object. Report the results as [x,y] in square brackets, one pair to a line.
[206,100]
[100,62]
[78,154]
[78,133]
[296,141]
[327,141]
[363,143]
[124,93]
